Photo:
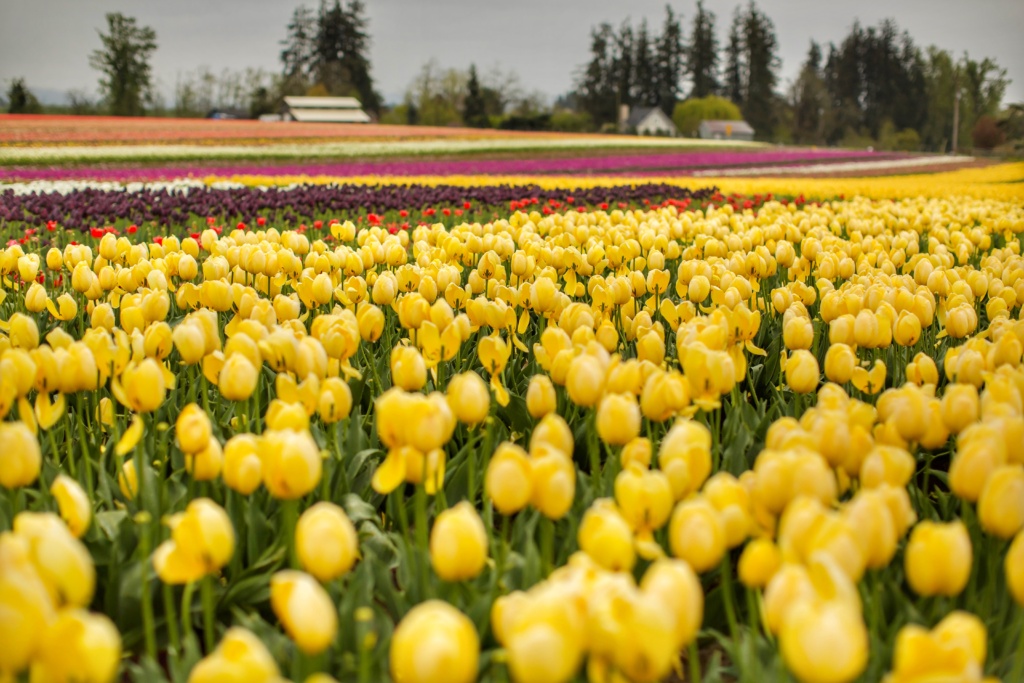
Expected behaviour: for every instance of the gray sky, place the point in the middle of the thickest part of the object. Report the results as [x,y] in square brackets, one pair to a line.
[48,41]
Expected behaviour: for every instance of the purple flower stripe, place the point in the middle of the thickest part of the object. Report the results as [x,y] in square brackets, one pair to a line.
[650,164]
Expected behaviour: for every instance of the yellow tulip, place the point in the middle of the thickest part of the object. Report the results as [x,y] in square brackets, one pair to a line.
[26,606]
[80,647]
[732,501]
[65,309]
[429,422]
[696,534]
[291,463]
[434,643]
[605,535]
[544,638]
[237,378]
[23,332]
[758,563]
[644,497]
[618,419]
[554,431]
[335,402]
[553,486]
[585,381]
[20,457]
[206,464]
[1001,504]
[887,465]
[677,588]
[239,658]
[1014,566]
[469,398]
[142,386]
[326,541]
[243,467]
[540,396]
[685,457]
[980,451]
[508,481]
[458,543]
[204,532]
[193,429]
[638,450]
[305,609]
[75,506]
[802,373]
[824,641]
[128,480]
[408,370]
[938,558]
[62,561]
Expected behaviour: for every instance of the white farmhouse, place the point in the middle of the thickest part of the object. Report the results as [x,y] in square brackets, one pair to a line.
[646,121]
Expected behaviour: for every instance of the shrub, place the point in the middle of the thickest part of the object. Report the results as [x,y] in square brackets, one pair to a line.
[688,115]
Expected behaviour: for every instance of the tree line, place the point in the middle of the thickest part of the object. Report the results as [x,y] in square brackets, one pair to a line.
[875,87]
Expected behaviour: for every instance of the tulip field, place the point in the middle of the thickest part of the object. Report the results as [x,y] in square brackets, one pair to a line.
[533,422]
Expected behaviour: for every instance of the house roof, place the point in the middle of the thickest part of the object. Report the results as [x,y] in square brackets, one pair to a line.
[322,102]
[637,116]
[727,127]
[330,115]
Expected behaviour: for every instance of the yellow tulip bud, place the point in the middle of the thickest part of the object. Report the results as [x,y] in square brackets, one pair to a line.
[585,381]
[644,497]
[190,341]
[435,643]
[638,450]
[23,332]
[80,646]
[798,333]
[304,608]
[27,607]
[685,456]
[553,483]
[36,298]
[732,501]
[980,451]
[554,431]
[540,396]
[20,457]
[938,558]
[824,641]
[1014,566]
[960,407]
[618,419]
[677,588]
[204,533]
[291,463]
[508,479]
[193,429]
[469,398]
[62,561]
[887,465]
[143,386]
[75,506]
[758,563]
[206,464]
[239,658]
[840,360]
[326,541]
[128,480]
[18,370]
[335,401]
[696,534]
[237,378]
[243,467]
[802,373]
[458,543]
[1001,505]
[605,535]
[408,369]
[907,330]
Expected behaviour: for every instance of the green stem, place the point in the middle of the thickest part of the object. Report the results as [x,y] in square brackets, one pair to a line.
[547,544]
[290,512]
[147,598]
[207,595]
[186,610]
[1018,658]
[730,608]
[172,620]
[421,538]
[694,662]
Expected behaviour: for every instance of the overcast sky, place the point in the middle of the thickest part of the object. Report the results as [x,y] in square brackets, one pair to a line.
[48,41]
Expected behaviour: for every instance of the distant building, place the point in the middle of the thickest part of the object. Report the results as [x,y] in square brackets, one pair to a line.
[324,110]
[725,130]
[646,121]
[227,113]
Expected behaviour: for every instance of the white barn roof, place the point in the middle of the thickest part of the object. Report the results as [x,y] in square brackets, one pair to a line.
[325,110]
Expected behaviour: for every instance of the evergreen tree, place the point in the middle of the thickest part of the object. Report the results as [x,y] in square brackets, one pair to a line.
[762,67]
[622,65]
[809,99]
[671,57]
[645,69]
[735,64]
[702,55]
[20,99]
[299,47]
[474,112]
[595,87]
[123,62]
